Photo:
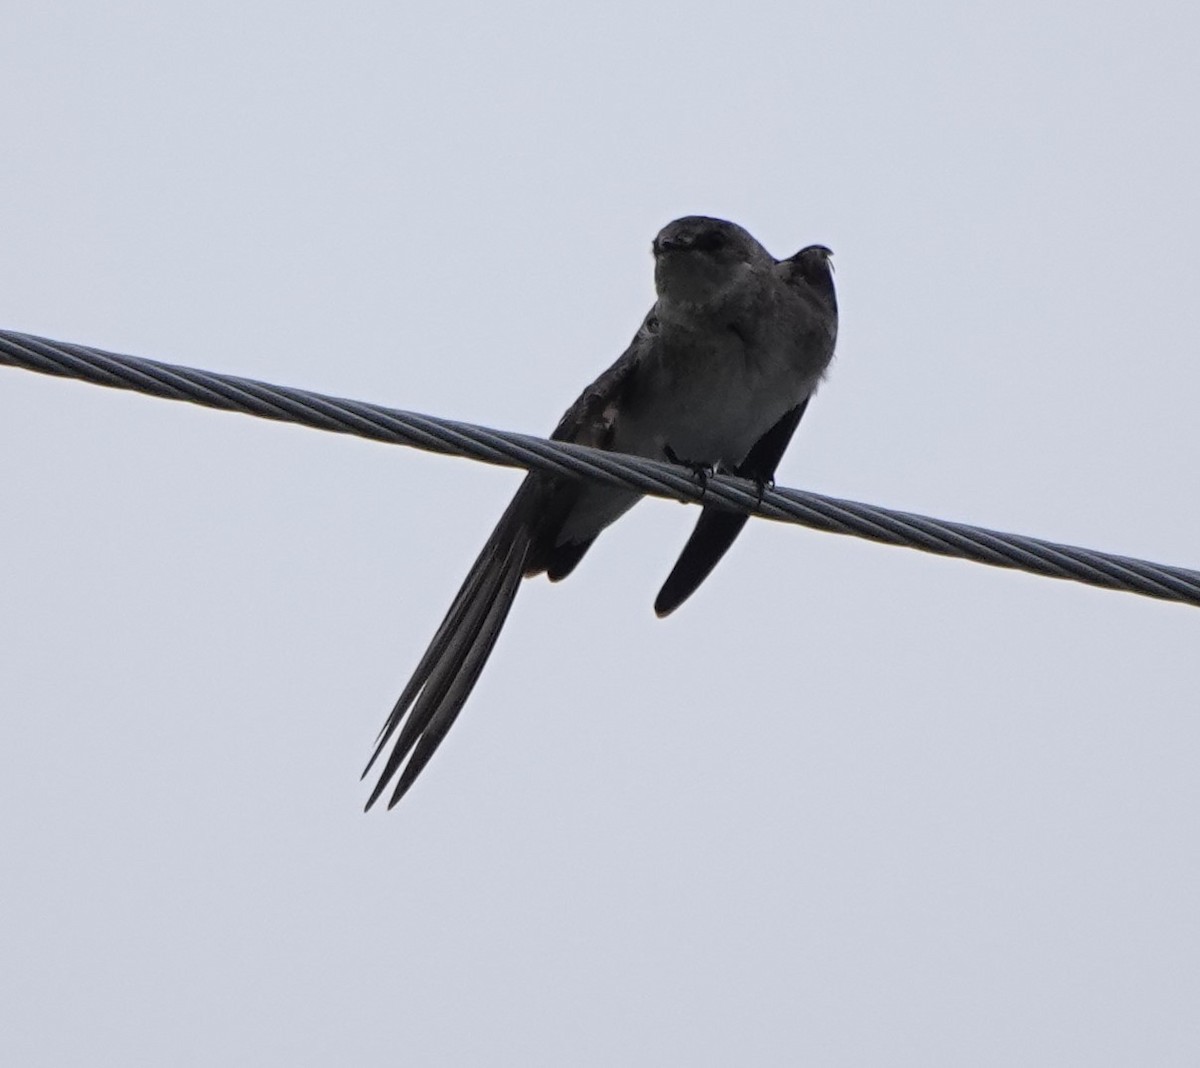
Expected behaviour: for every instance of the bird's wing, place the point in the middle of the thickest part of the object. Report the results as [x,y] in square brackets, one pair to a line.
[592,420]
[716,529]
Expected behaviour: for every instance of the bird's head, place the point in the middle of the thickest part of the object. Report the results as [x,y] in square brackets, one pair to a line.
[700,261]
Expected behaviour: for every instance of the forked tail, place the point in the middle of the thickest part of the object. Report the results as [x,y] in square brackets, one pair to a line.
[451,665]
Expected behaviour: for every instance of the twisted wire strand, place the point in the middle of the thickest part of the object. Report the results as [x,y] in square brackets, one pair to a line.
[658,479]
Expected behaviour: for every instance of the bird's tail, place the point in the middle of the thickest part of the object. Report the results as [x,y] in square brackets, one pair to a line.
[451,665]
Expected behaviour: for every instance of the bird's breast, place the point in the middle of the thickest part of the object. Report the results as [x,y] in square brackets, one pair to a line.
[709,399]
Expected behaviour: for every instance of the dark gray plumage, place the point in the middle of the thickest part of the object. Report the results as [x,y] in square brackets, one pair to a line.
[717,376]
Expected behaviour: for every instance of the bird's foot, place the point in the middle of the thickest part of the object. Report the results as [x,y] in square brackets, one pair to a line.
[763,485]
[702,472]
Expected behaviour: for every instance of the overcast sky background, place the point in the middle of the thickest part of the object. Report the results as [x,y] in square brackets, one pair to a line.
[851,805]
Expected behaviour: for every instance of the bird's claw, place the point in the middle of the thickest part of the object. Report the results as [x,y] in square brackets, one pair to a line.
[763,485]
[702,472]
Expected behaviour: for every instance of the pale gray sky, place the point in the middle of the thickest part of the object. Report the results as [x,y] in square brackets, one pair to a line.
[851,805]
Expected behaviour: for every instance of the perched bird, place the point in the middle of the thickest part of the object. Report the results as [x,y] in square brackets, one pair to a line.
[717,377]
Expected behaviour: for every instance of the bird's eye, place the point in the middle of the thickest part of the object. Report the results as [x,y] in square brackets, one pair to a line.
[710,241]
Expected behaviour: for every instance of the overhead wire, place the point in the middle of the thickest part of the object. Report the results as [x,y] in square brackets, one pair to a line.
[652,477]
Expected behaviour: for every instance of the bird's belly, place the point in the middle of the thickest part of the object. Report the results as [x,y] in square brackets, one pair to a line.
[710,408]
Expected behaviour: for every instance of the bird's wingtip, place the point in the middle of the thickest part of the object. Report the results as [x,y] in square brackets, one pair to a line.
[664,605]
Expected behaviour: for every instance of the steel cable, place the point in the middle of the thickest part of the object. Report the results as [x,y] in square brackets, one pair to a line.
[658,479]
